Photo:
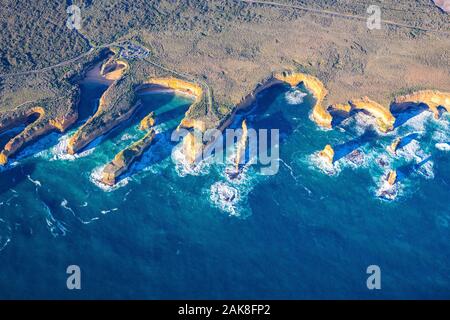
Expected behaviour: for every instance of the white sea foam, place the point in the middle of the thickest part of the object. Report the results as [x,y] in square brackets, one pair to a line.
[295,96]
[56,227]
[362,121]
[442,132]
[443,146]
[64,204]
[59,151]
[318,162]
[37,183]
[109,211]
[5,234]
[96,177]
[387,191]
[426,170]
[127,136]
[183,167]
[225,197]
[419,122]
[411,151]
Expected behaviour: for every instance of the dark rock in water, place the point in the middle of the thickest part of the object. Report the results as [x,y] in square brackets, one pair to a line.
[382,162]
[233,174]
[357,157]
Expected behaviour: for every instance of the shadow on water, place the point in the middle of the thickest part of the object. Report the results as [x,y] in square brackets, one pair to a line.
[7,135]
[441,110]
[408,139]
[147,105]
[264,100]
[348,147]
[172,114]
[403,112]
[162,146]
[90,94]
[12,177]
[276,120]
[338,116]
[407,170]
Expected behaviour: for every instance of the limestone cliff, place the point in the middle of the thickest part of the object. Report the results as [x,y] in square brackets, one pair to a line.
[177,85]
[320,113]
[394,146]
[123,160]
[104,120]
[392,177]
[385,119]
[344,107]
[192,147]
[433,99]
[192,144]
[41,125]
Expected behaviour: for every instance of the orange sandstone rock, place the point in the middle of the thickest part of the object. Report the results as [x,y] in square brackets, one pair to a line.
[147,122]
[3,159]
[178,85]
[385,119]
[392,177]
[192,147]
[433,99]
[393,147]
[122,161]
[320,113]
[345,107]
[327,153]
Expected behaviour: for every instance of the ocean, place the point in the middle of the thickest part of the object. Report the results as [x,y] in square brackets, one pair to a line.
[307,232]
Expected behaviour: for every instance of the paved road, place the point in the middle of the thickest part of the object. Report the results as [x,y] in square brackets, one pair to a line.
[340,15]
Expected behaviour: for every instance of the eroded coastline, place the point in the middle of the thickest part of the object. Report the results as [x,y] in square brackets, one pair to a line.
[127,79]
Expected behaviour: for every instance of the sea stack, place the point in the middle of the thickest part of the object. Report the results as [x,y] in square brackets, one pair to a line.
[148,122]
[394,146]
[392,177]
[328,154]
[123,160]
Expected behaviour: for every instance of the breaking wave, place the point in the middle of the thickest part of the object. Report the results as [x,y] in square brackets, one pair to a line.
[295,96]
[59,151]
[96,178]
[442,146]
[5,234]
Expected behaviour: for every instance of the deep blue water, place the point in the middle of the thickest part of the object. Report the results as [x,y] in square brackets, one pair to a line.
[310,231]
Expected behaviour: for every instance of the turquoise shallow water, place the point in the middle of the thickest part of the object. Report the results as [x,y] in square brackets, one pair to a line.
[310,231]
